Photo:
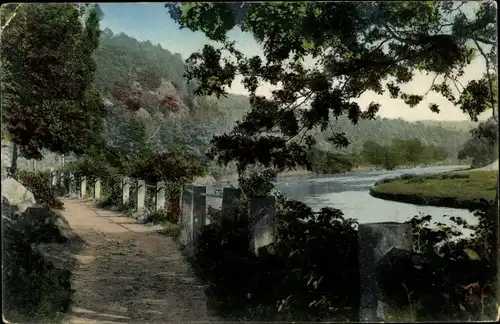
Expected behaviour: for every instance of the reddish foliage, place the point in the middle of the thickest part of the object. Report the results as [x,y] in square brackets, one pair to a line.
[170,103]
[127,95]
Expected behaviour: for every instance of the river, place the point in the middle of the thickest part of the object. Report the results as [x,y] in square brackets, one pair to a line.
[349,192]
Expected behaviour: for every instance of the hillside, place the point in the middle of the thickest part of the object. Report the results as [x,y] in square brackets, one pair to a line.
[451,135]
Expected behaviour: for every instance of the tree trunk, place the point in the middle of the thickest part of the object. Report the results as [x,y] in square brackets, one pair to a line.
[13,163]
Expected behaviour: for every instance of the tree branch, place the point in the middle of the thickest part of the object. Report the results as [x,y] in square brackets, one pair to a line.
[432,85]
[147,141]
[490,81]
[485,41]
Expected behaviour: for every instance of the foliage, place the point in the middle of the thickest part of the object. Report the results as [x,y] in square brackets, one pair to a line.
[257,182]
[402,152]
[161,217]
[456,190]
[329,162]
[175,169]
[449,136]
[455,281]
[170,167]
[356,48]
[295,279]
[47,65]
[482,146]
[39,184]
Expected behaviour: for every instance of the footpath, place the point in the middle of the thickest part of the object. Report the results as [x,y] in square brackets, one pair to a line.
[127,272]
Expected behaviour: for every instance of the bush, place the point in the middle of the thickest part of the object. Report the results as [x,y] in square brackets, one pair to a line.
[39,184]
[292,276]
[455,278]
[161,216]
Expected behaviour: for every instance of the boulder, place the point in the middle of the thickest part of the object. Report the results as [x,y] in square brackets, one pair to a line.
[17,195]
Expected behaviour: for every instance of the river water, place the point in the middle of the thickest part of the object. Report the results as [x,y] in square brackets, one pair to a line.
[349,192]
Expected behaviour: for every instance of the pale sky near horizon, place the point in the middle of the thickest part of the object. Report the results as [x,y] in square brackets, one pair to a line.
[151,21]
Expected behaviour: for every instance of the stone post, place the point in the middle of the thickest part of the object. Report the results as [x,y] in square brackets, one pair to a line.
[262,224]
[140,196]
[186,213]
[53,179]
[125,190]
[62,182]
[199,210]
[374,242]
[160,196]
[83,187]
[230,202]
[71,185]
[97,189]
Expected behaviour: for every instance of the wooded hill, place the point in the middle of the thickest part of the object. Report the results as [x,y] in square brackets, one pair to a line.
[149,100]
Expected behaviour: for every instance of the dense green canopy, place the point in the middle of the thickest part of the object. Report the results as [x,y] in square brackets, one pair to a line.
[47,73]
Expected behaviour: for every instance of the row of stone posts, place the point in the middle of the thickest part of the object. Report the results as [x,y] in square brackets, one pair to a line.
[68,182]
[140,194]
[261,214]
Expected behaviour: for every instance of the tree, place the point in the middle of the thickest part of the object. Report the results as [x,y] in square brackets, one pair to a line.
[373,152]
[357,47]
[47,73]
[482,147]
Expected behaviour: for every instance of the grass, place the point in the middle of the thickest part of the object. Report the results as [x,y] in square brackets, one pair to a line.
[453,189]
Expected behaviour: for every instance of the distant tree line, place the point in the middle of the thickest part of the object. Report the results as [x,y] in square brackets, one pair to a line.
[402,153]
[399,153]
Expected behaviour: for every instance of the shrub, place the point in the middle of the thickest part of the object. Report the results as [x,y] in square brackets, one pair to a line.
[160,217]
[456,279]
[39,184]
[309,271]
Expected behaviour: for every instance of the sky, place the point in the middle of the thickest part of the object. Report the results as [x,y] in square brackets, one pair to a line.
[151,21]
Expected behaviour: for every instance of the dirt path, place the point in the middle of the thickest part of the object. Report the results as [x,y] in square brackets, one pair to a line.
[128,273]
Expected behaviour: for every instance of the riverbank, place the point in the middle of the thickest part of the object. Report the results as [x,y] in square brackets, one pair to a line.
[463,190]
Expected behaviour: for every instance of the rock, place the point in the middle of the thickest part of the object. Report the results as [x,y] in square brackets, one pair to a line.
[48,225]
[17,195]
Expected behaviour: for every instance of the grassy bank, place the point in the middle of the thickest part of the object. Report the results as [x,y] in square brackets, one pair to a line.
[466,190]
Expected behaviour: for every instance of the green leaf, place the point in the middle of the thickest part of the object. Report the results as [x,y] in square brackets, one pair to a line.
[473,255]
